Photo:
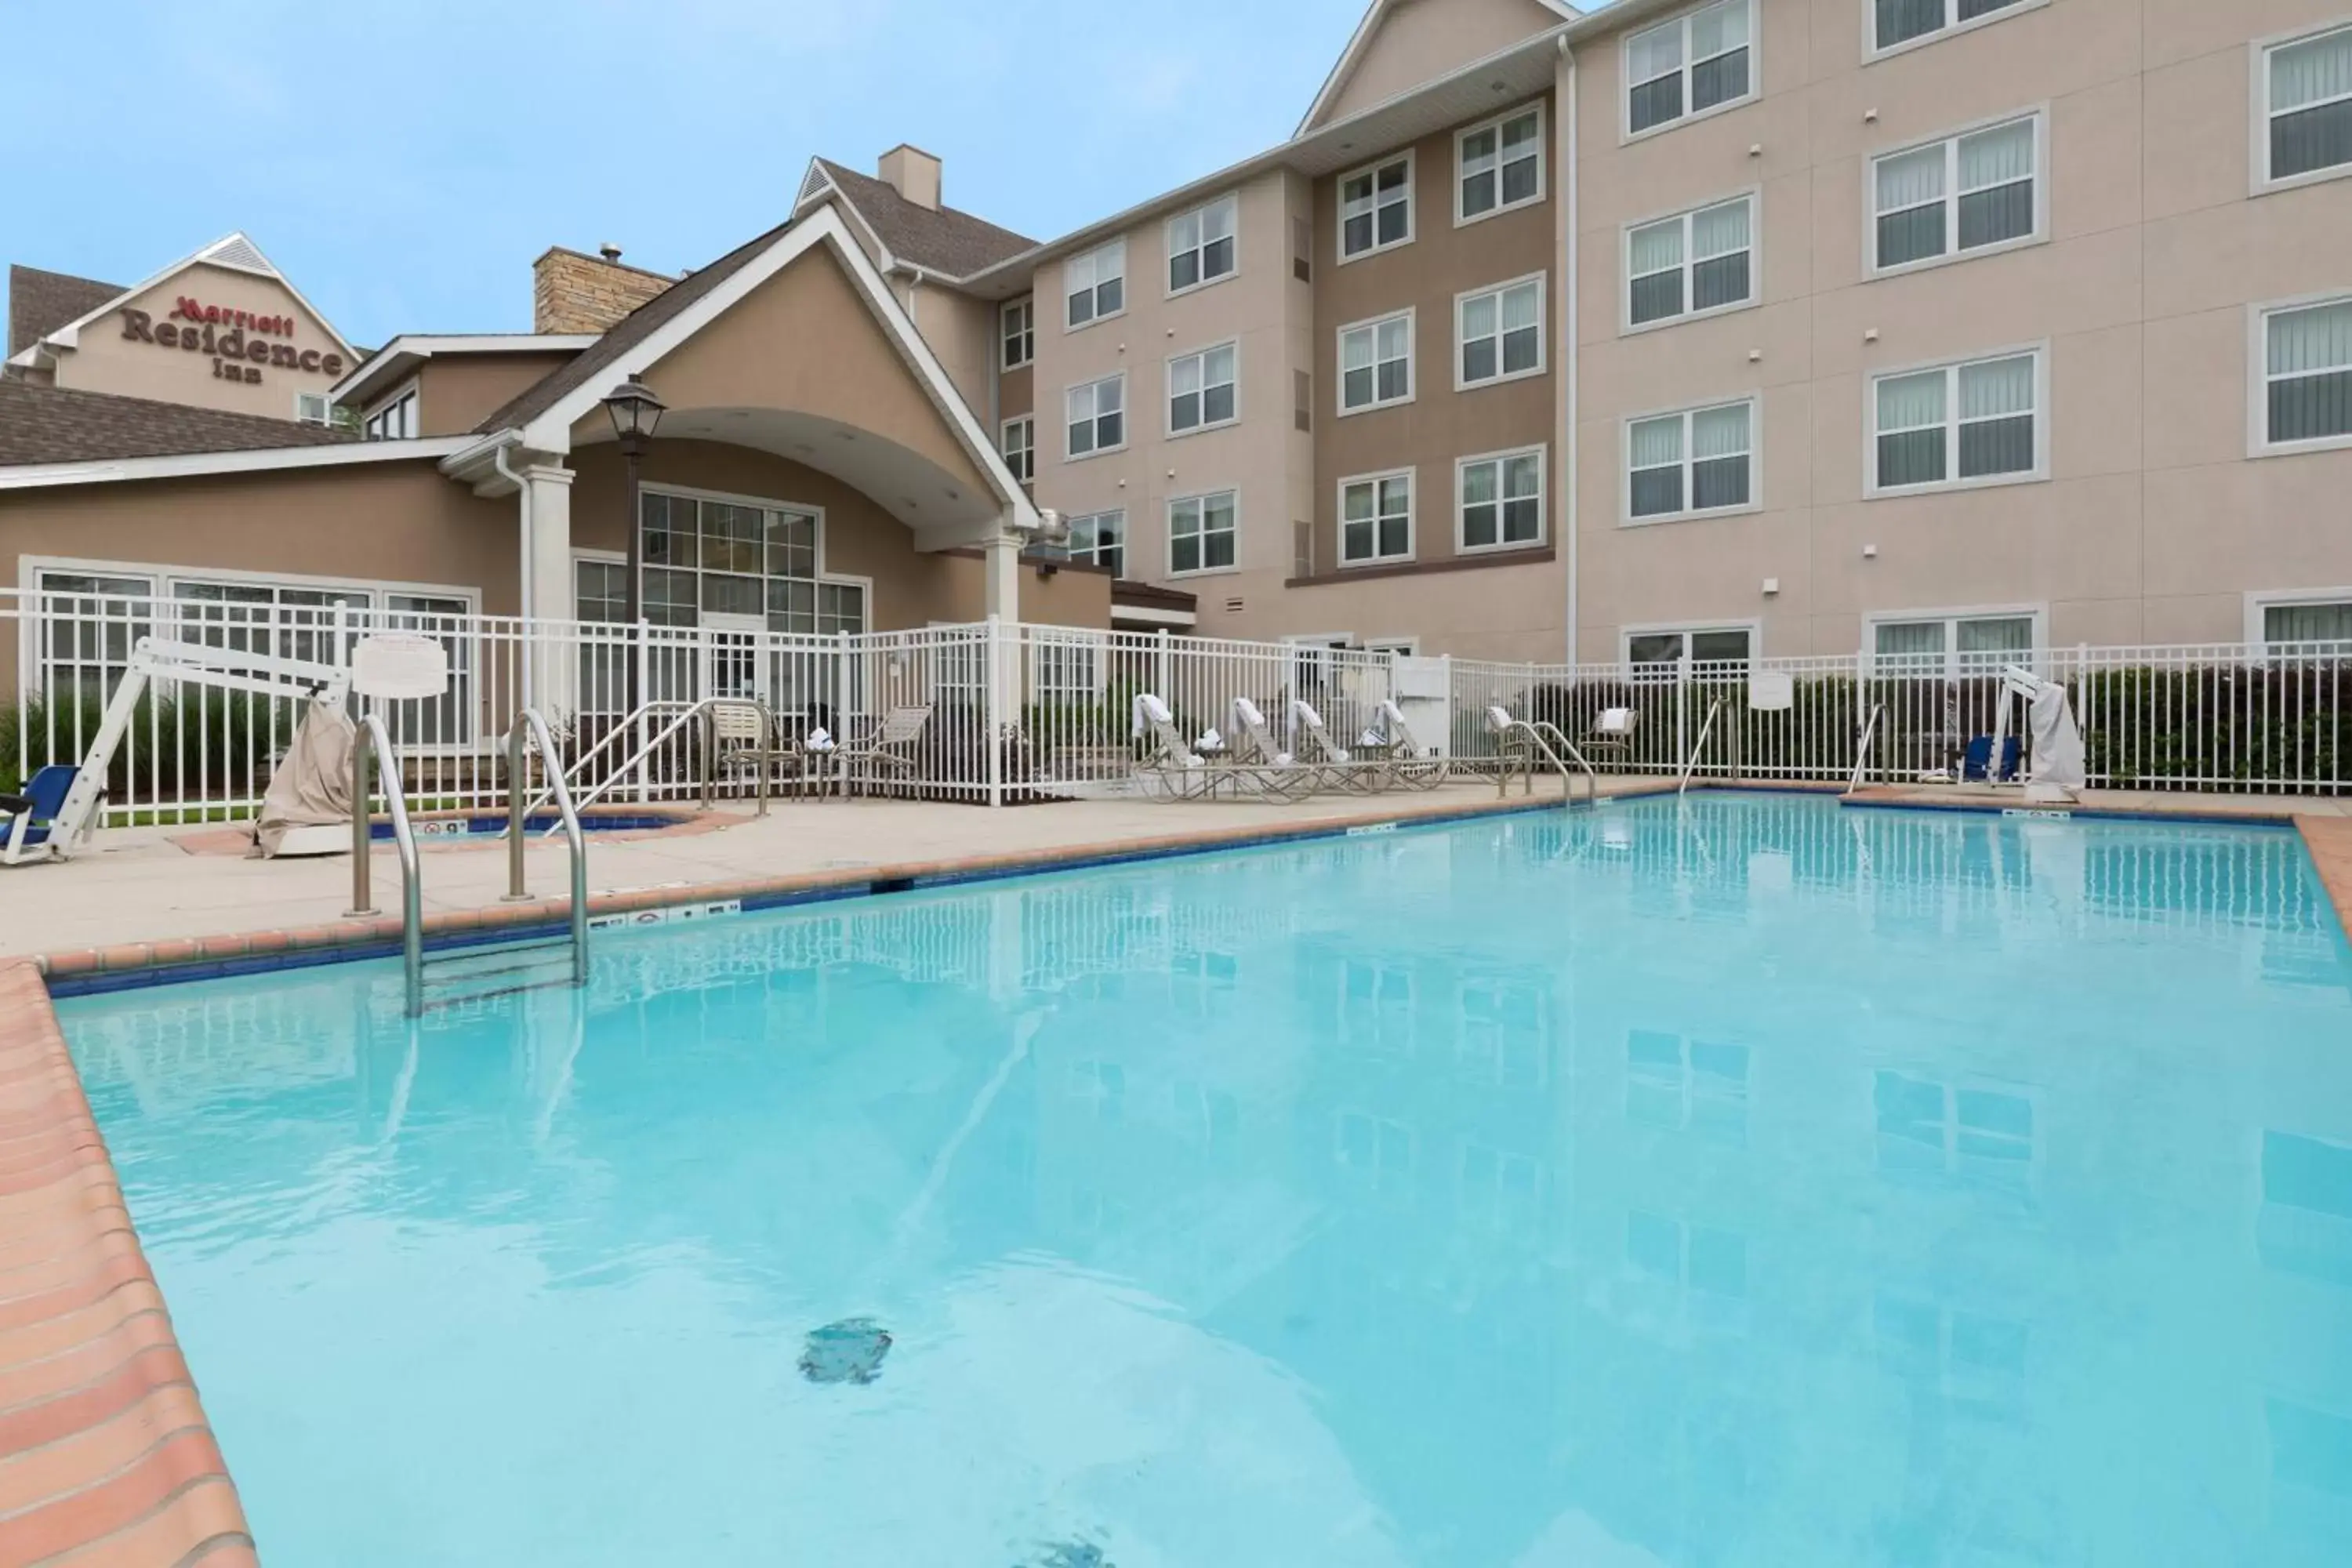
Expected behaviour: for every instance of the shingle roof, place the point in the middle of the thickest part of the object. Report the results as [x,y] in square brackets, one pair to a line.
[40,303]
[54,424]
[624,334]
[947,241]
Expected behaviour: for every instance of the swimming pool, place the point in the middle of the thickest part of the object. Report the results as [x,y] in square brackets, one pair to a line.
[1742,1181]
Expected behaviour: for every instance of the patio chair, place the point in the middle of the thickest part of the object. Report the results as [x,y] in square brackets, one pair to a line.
[27,821]
[1613,734]
[1171,770]
[1340,766]
[888,753]
[750,742]
[1410,763]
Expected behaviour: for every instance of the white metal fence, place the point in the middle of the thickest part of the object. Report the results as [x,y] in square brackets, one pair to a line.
[1011,714]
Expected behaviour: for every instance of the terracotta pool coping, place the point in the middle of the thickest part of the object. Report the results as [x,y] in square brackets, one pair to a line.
[106,1460]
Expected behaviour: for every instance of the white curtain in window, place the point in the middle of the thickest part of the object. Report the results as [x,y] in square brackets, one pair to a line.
[1654,53]
[1911,180]
[2311,71]
[1478,318]
[1519,308]
[1998,156]
[1657,247]
[1719,433]
[1718,231]
[1902,638]
[1184,376]
[1356,351]
[1718,28]
[1658,442]
[2303,342]
[2002,387]
[2307,623]
[1911,401]
[2008,635]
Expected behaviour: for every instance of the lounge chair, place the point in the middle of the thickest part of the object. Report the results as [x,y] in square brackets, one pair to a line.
[27,821]
[1171,770]
[1410,763]
[888,753]
[1268,769]
[1340,766]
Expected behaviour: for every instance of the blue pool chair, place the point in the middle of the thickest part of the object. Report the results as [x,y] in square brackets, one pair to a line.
[26,825]
[1974,761]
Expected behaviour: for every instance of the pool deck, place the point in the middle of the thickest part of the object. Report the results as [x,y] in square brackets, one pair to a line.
[105,1461]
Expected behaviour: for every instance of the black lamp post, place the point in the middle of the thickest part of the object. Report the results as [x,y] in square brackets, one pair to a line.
[636,412]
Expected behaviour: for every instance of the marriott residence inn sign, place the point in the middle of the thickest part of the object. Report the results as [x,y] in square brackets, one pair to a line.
[238,343]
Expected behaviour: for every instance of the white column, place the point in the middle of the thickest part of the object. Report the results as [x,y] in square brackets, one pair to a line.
[555,663]
[1002,586]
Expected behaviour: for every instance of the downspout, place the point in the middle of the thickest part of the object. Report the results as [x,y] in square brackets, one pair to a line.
[526,560]
[1568,382]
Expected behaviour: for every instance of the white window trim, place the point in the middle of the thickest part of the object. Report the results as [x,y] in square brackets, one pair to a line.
[1543,162]
[2260,600]
[1168,249]
[1411,316]
[2258,106]
[1755,502]
[1125,542]
[1542,280]
[1003,332]
[2038,474]
[1126,291]
[1006,429]
[2258,379]
[1167,530]
[413,387]
[1688,630]
[1872,54]
[1402,647]
[1627,327]
[1126,420]
[1411,475]
[765,503]
[2038,114]
[1625,83]
[1411,209]
[1541,453]
[1167,390]
[326,404]
[1874,619]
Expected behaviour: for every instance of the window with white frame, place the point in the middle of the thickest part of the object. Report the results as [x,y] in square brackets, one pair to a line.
[313,408]
[1695,62]
[1499,166]
[2307,105]
[1376,208]
[1376,518]
[1674,649]
[394,421]
[1202,531]
[2303,622]
[1948,646]
[1020,334]
[1201,389]
[1200,245]
[2307,373]
[600,590]
[1688,463]
[1974,421]
[1960,193]
[1692,264]
[1094,285]
[1100,538]
[1096,415]
[1501,332]
[1066,666]
[1501,501]
[1895,22]
[706,556]
[1376,362]
[1020,447]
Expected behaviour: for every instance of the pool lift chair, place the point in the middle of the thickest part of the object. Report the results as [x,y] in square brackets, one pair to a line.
[2055,772]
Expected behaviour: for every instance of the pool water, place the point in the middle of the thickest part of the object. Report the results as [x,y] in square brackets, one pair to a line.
[1741,1182]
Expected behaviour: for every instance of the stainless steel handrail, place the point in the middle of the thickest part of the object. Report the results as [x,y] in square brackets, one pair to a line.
[531,731]
[684,715]
[626,725]
[1536,730]
[373,738]
[1862,753]
[1691,762]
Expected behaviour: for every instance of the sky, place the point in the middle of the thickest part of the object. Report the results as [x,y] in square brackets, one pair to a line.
[403,162]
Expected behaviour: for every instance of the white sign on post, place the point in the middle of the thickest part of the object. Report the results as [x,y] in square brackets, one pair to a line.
[1771,691]
[397,665]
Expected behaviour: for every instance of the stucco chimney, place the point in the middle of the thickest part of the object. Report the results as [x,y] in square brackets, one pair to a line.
[575,293]
[913,174]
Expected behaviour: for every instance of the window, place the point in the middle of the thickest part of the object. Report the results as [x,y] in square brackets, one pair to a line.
[707,556]
[1201,389]
[1669,651]
[1897,21]
[600,590]
[1501,332]
[1376,518]
[1693,264]
[313,408]
[1020,334]
[1950,647]
[2308,375]
[1695,63]
[1019,446]
[1924,1125]
[1094,284]
[1686,1085]
[1200,532]
[1097,418]
[1501,499]
[1100,538]
[1200,245]
[1962,194]
[1499,164]
[2307,97]
[1376,208]
[1681,465]
[1957,423]
[2305,618]
[394,421]
[1067,666]
[1376,363]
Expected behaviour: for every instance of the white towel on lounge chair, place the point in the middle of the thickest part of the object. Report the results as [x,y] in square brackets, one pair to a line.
[1499,720]
[1150,712]
[818,741]
[1301,710]
[1210,740]
[1371,737]
[1251,721]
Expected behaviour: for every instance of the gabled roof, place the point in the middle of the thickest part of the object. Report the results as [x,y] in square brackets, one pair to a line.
[233,251]
[40,303]
[56,425]
[1361,42]
[952,242]
[405,352]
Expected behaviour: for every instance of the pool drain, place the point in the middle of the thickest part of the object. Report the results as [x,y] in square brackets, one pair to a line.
[850,1351]
[1073,1554]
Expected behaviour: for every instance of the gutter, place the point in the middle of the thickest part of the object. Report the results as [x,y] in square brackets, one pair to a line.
[1568,382]
[524,559]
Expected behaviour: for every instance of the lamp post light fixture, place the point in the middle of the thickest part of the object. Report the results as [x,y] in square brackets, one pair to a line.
[636,414]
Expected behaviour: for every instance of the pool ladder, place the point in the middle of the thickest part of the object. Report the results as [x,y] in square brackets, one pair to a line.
[529,733]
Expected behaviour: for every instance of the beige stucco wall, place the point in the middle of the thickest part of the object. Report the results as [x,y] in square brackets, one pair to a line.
[108,358]
[458,391]
[2153,525]
[1420,40]
[961,331]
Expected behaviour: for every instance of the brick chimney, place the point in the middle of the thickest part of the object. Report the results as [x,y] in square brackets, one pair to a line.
[913,174]
[575,293]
